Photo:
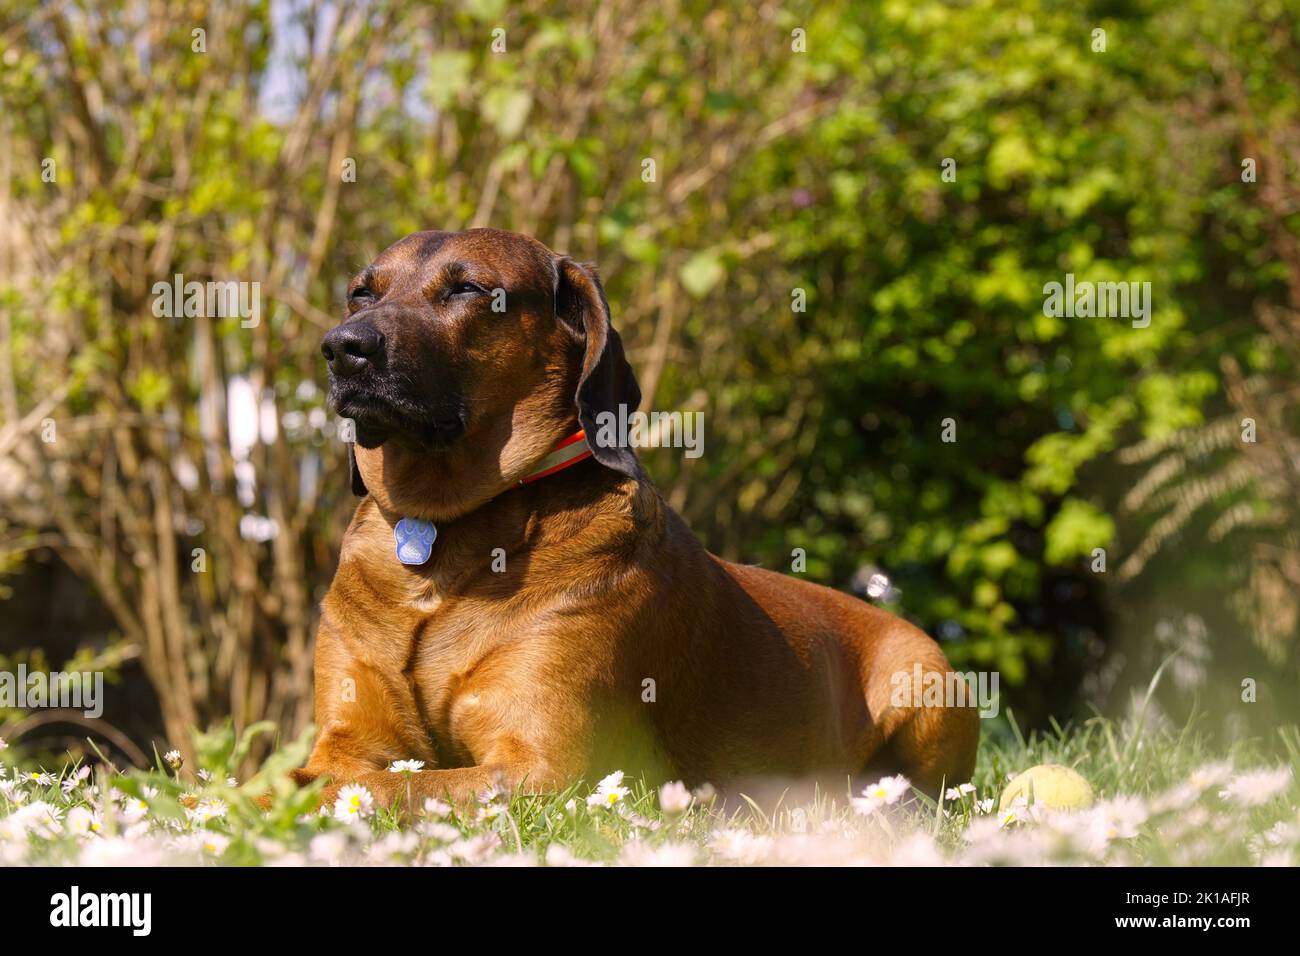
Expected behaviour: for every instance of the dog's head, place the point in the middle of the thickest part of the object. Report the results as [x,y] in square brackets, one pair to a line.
[464,358]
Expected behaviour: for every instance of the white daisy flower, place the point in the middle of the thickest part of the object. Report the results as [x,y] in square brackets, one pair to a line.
[436,808]
[41,818]
[1255,788]
[211,842]
[354,803]
[1018,812]
[1281,833]
[393,847]
[1120,818]
[608,792]
[1178,797]
[206,810]
[72,781]
[406,766]
[173,759]
[956,793]
[884,792]
[1211,774]
[674,797]
[82,821]
[133,809]
[441,832]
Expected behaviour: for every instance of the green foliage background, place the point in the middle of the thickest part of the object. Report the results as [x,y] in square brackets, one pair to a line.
[776,170]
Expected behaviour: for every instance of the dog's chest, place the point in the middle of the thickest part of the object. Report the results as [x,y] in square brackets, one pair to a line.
[469,667]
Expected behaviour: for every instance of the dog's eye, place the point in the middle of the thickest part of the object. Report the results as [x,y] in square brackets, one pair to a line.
[464,288]
[361,295]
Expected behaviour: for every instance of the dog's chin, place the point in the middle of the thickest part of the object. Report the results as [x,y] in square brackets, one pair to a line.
[378,421]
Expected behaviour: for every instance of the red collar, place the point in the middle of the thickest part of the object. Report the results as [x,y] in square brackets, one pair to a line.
[568,452]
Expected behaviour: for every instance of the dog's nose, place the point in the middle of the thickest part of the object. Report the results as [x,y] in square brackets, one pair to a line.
[348,348]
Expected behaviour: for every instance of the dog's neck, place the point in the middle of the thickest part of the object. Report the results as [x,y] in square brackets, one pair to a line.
[489,546]
[415,537]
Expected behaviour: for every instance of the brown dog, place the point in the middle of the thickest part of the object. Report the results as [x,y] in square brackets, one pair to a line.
[565,627]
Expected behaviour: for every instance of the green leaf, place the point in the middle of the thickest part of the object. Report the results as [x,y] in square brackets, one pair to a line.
[701,273]
[507,110]
[1075,530]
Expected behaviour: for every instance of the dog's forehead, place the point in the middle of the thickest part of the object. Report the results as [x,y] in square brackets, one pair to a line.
[508,252]
[413,249]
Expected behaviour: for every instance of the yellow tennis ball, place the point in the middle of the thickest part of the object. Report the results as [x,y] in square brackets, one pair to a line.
[1051,785]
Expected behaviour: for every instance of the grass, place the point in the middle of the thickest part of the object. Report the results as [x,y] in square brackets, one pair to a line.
[1164,797]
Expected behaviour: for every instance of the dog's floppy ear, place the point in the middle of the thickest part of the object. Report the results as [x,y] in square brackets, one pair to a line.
[358,485]
[607,380]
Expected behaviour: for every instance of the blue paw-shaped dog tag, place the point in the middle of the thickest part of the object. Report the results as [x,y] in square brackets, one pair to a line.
[415,538]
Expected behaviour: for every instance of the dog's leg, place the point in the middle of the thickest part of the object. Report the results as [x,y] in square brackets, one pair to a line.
[935,748]
[932,742]
[302,776]
[459,786]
